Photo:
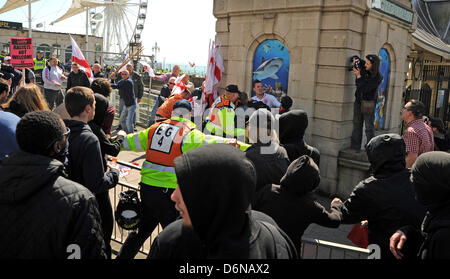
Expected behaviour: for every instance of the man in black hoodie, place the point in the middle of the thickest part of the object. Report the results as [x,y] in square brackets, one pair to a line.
[293,125]
[385,199]
[85,156]
[430,177]
[292,204]
[215,188]
[77,77]
[42,214]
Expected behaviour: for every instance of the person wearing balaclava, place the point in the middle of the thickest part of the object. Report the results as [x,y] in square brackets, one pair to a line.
[293,125]
[215,188]
[293,205]
[385,199]
[43,212]
[107,146]
[269,158]
[431,180]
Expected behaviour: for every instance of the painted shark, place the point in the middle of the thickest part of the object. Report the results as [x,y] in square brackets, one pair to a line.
[268,69]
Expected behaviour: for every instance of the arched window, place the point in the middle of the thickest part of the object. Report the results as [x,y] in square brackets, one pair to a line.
[271,66]
[68,54]
[56,50]
[46,49]
[380,109]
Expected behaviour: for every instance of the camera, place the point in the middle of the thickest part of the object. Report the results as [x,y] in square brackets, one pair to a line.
[359,63]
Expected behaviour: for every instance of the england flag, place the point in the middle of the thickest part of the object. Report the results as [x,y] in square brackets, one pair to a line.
[77,56]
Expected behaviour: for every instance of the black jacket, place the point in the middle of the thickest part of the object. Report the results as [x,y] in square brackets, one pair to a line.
[79,79]
[42,212]
[293,125]
[367,86]
[85,159]
[222,221]
[126,91]
[271,166]
[293,205]
[386,198]
[138,85]
[107,146]
[430,177]
[164,94]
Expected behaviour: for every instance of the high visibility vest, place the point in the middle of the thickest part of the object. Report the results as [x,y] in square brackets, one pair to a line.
[222,119]
[163,142]
[39,64]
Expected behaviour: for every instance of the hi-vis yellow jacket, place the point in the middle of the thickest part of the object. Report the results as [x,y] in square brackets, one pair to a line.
[163,142]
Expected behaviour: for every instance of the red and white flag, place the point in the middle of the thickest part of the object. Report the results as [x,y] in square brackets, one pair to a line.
[77,56]
[179,86]
[148,68]
[213,73]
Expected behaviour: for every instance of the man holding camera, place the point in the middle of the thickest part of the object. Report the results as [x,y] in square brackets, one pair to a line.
[367,81]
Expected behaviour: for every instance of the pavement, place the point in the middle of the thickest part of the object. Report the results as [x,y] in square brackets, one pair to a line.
[337,235]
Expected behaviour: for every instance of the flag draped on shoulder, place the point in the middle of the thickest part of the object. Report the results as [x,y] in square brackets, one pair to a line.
[214,72]
[77,56]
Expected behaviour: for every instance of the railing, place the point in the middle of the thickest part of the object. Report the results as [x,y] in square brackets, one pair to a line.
[310,249]
[119,235]
[320,249]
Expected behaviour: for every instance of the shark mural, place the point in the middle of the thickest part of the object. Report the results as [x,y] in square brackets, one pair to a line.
[271,66]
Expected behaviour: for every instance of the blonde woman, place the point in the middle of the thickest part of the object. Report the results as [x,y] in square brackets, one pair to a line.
[26,99]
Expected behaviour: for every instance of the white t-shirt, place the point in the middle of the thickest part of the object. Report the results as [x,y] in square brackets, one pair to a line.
[269,100]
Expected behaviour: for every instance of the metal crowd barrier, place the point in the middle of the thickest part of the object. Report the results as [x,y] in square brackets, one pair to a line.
[320,249]
[119,235]
[310,248]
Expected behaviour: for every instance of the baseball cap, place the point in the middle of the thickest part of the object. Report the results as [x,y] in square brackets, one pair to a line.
[182,104]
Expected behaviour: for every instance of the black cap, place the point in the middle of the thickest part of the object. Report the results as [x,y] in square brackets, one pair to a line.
[232,88]
[182,104]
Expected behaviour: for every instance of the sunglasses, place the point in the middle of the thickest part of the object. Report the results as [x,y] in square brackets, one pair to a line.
[171,83]
[64,136]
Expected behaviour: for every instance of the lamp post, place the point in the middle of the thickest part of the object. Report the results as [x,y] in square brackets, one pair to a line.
[155,50]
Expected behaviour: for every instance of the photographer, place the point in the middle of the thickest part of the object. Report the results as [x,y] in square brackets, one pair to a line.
[367,81]
[9,72]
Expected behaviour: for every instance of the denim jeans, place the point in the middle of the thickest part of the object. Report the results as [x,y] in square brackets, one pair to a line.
[126,118]
[358,120]
[152,118]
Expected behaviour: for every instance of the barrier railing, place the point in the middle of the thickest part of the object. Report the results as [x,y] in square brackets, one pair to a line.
[120,235]
[310,249]
[320,249]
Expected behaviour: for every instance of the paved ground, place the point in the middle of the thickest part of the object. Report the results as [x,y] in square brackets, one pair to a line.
[338,235]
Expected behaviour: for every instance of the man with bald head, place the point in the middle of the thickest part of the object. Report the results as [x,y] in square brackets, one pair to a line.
[165,77]
[127,97]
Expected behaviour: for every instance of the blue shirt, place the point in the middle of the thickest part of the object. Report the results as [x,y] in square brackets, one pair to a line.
[126,91]
[8,143]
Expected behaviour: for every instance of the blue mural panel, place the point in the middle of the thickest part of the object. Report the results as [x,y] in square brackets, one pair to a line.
[271,65]
[380,109]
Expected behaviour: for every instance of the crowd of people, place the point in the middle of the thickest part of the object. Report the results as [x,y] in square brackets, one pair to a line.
[238,185]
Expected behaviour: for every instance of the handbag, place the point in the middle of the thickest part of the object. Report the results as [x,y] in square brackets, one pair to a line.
[367,107]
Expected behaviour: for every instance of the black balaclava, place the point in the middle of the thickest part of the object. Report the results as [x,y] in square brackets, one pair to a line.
[217,184]
[430,176]
[386,154]
[302,176]
[293,125]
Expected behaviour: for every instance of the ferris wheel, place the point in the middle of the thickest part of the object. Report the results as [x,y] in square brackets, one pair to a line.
[120,23]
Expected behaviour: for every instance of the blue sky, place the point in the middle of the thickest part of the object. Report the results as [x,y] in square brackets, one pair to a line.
[181,28]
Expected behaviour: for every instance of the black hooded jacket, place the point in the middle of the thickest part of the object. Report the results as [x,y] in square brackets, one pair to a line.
[292,130]
[217,184]
[430,177]
[385,199]
[78,79]
[85,159]
[293,205]
[42,212]
[107,146]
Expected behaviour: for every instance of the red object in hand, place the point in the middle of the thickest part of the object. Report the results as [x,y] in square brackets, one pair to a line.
[135,163]
[359,236]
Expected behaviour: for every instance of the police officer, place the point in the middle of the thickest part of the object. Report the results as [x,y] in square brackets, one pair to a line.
[222,119]
[163,142]
[39,63]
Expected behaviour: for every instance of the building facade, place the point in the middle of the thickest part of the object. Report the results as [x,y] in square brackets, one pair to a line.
[320,36]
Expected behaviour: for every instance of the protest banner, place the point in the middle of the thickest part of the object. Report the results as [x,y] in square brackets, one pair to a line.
[22,53]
